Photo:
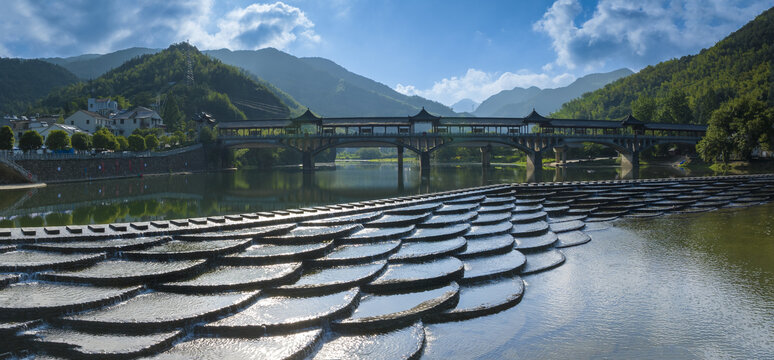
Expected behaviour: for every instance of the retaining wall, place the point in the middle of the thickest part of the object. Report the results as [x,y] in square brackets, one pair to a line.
[66,169]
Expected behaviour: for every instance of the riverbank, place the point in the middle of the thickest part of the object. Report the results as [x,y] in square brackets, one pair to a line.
[78,168]
[22,186]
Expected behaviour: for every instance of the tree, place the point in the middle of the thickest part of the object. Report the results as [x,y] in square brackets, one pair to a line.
[675,109]
[81,141]
[123,143]
[30,140]
[6,138]
[151,142]
[104,140]
[207,135]
[737,127]
[136,143]
[644,108]
[58,140]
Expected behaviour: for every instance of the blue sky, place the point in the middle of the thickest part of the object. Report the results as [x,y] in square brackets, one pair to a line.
[442,50]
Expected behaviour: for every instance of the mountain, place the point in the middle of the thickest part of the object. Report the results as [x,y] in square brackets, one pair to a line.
[465,105]
[519,101]
[92,66]
[690,89]
[25,81]
[325,87]
[161,80]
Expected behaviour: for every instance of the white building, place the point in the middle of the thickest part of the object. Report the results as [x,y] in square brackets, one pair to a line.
[69,129]
[140,117]
[88,121]
[103,106]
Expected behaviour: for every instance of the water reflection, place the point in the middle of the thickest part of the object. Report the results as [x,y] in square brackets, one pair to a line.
[192,195]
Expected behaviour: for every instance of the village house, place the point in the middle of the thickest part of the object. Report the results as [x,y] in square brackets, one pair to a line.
[103,107]
[140,117]
[88,121]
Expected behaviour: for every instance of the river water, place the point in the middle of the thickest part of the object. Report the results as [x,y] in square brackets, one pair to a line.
[677,286]
[207,194]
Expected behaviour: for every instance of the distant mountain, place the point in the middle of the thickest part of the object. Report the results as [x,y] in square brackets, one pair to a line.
[25,81]
[160,79]
[92,66]
[494,103]
[690,89]
[519,101]
[325,87]
[320,84]
[465,105]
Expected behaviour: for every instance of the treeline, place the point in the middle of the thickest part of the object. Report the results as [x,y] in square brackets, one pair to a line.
[102,140]
[22,82]
[221,90]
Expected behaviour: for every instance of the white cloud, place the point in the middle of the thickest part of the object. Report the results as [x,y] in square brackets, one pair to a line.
[261,25]
[478,85]
[641,32]
[30,28]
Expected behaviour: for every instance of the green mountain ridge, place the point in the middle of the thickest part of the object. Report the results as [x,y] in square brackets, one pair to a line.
[24,81]
[691,88]
[325,87]
[219,89]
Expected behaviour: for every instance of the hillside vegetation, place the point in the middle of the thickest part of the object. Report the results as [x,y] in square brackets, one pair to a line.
[24,81]
[221,90]
[690,89]
[325,87]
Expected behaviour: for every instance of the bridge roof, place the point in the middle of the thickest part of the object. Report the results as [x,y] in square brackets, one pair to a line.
[480,121]
[367,121]
[246,124]
[580,123]
[675,127]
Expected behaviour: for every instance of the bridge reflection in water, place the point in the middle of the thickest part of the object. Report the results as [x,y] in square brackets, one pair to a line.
[424,133]
[209,194]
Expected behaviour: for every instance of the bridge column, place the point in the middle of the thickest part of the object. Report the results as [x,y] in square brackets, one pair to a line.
[424,162]
[630,160]
[400,158]
[561,155]
[534,160]
[486,155]
[307,161]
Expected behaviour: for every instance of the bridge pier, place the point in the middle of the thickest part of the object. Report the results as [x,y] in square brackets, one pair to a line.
[561,155]
[400,159]
[534,175]
[534,160]
[486,155]
[630,160]
[559,173]
[631,173]
[424,162]
[307,161]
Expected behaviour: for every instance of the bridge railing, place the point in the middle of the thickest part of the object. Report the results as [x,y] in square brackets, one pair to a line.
[458,135]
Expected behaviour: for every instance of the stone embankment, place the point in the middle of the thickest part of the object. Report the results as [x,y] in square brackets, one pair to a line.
[339,281]
[52,168]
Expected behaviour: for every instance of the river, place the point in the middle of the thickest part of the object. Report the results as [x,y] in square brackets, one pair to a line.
[207,194]
[676,286]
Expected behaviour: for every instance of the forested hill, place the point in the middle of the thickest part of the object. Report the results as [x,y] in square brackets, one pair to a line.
[24,81]
[325,87]
[690,89]
[222,90]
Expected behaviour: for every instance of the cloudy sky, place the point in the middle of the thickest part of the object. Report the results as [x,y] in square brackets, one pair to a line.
[440,49]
